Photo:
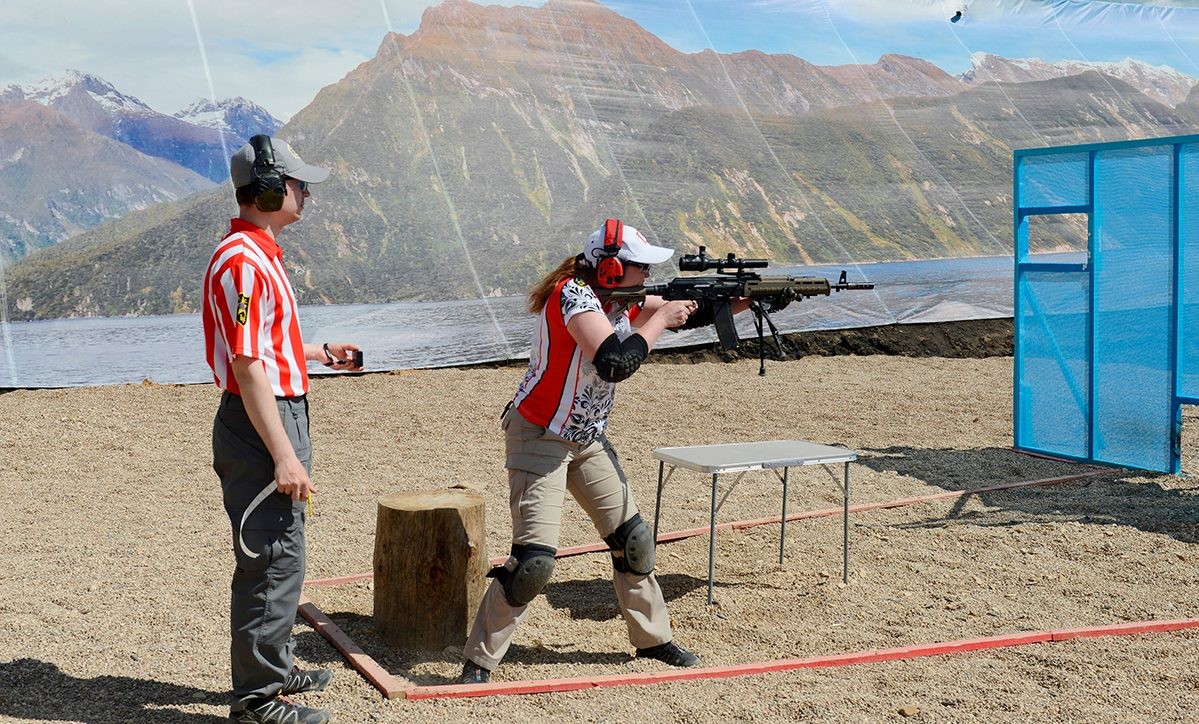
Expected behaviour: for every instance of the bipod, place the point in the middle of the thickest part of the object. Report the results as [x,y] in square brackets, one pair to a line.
[761,314]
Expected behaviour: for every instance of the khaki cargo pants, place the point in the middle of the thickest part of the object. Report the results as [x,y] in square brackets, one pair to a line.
[542,466]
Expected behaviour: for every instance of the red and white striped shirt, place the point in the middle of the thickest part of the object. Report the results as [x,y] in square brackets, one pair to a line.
[562,391]
[250,310]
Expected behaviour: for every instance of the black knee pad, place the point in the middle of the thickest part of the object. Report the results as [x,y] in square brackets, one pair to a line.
[522,583]
[632,547]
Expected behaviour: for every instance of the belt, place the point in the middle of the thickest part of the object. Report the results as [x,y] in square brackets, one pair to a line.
[226,395]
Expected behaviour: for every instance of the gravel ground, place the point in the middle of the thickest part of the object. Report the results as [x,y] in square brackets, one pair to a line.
[114,592]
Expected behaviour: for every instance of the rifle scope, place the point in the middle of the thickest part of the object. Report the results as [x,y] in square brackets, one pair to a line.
[702,262]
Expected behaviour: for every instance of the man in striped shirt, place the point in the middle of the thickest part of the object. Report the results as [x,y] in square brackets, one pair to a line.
[260,443]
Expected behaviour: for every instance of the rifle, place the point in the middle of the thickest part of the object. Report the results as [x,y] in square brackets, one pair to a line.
[733,279]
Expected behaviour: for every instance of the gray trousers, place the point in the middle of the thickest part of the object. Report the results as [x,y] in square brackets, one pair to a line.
[265,593]
[542,467]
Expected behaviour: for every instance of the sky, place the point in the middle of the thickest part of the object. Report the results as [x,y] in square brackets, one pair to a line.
[169,53]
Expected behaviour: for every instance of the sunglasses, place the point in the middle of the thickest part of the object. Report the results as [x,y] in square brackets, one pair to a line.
[303,185]
[645,268]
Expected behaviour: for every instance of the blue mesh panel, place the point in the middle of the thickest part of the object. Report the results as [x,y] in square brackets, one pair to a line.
[1133,259]
[1052,405]
[1053,180]
[1188,274]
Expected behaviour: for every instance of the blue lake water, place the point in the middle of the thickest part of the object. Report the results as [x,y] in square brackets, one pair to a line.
[405,335]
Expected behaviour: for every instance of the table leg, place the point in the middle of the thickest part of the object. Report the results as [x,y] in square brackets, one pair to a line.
[712,542]
[658,505]
[783,520]
[845,530]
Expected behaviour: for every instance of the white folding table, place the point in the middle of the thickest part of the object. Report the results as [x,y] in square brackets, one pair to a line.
[741,458]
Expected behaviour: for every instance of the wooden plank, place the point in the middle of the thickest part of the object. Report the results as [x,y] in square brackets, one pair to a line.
[376,675]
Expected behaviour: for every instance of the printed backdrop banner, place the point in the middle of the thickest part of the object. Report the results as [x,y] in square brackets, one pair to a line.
[475,147]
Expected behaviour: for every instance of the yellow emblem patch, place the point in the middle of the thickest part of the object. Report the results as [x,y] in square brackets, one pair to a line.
[243,308]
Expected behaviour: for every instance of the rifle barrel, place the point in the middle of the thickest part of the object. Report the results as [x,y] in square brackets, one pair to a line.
[769,286]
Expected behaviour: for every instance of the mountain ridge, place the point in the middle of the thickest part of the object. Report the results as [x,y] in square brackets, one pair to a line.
[510,132]
[80,182]
[97,105]
[1162,83]
[58,179]
[238,117]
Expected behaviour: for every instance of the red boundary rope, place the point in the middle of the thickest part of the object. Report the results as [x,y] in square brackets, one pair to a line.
[744,524]
[543,686]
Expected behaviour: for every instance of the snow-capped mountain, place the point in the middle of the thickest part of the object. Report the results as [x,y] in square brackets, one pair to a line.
[97,106]
[1159,82]
[76,152]
[58,179]
[236,117]
[56,90]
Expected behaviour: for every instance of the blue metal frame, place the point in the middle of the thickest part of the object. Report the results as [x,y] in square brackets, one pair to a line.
[1093,256]
[1024,265]
[1020,242]
[1109,146]
[1175,311]
[1035,266]
[1048,210]
[1183,258]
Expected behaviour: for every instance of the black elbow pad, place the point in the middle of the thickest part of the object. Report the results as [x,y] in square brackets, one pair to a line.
[616,360]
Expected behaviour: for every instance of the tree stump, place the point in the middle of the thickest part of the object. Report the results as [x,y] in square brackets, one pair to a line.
[430,567]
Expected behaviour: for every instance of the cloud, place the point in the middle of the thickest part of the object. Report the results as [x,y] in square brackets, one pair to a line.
[280,55]
[879,11]
[276,54]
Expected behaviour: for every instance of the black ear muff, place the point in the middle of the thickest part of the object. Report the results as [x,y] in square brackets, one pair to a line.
[267,184]
[609,270]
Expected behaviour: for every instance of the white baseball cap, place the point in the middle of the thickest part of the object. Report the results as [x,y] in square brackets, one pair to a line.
[633,247]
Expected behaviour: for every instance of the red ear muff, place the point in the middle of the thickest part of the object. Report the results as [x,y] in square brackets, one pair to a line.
[609,270]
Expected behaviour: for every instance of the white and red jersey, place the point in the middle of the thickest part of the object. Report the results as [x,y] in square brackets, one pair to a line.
[561,390]
[250,310]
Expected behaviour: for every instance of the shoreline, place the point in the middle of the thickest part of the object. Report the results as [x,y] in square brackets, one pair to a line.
[959,339]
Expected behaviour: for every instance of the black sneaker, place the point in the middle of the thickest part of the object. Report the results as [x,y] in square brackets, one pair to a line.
[298,682]
[670,653]
[280,711]
[472,673]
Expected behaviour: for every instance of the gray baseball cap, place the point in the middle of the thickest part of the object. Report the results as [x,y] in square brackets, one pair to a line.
[287,162]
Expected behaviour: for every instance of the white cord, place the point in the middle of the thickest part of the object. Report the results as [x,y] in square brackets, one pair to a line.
[256,502]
